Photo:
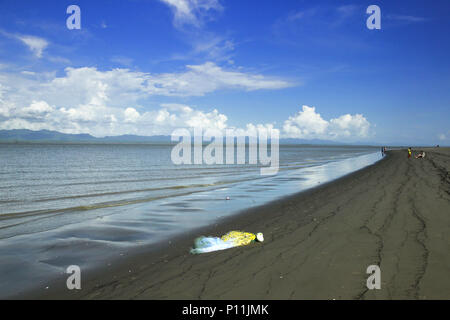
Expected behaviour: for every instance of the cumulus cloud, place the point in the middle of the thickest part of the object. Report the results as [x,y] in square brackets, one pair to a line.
[308,124]
[172,115]
[96,102]
[305,124]
[101,120]
[87,100]
[349,126]
[93,115]
[88,94]
[110,102]
[191,11]
[111,121]
[131,115]
[37,108]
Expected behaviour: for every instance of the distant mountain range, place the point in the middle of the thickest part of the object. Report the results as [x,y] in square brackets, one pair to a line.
[24,135]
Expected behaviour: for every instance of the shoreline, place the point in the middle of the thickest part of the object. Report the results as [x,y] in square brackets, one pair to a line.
[316,247]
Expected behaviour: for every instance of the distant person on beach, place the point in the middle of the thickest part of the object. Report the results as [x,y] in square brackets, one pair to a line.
[409,152]
[420,155]
[382,151]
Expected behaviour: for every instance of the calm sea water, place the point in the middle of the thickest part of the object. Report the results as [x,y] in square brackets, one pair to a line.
[87,205]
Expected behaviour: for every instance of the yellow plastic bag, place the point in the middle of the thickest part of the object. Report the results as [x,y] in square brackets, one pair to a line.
[239,238]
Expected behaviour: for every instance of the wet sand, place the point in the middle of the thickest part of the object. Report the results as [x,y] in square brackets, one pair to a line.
[318,245]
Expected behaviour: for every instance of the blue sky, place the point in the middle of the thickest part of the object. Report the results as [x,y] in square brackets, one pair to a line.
[311,69]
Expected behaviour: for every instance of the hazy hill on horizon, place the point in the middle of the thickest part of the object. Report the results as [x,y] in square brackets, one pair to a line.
[26,135]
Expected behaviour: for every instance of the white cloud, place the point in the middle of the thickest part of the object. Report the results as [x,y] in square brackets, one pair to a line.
[131,115]
[191,11]
[88,100]
[252,130]
[213,120]
[171,116]
[189,18]
[307,124]
[87,85]
[35,44]
[349,126]
[99,119]
[208,77]
[110,102]
[37,108]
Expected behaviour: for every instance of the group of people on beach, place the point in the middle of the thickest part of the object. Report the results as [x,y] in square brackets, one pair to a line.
[420,155]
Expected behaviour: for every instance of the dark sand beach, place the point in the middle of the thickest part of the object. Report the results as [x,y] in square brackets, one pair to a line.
[318,245]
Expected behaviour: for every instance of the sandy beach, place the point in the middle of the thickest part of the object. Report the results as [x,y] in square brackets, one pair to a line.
[318,245]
